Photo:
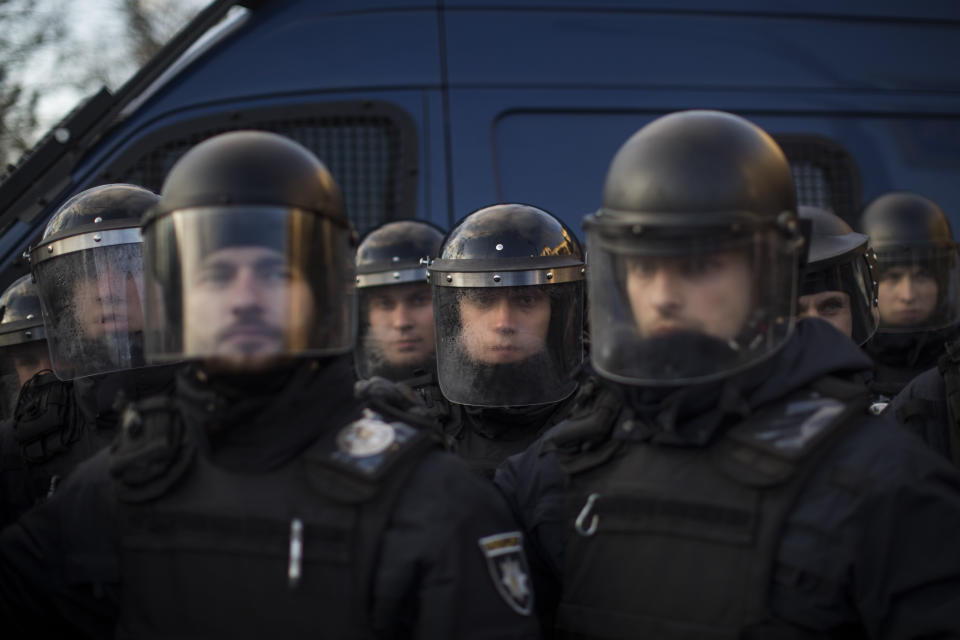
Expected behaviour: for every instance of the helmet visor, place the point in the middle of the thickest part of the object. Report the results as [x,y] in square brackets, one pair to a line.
[918,288]
[844,295]
[673,307]
[508,346]
[92,301]
[243,285]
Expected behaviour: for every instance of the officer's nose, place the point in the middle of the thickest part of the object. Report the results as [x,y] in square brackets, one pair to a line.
[401,317]
[246,291]
[906,289]
[502,315]
[664,290]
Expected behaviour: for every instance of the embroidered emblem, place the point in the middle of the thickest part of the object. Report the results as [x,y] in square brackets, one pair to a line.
[508,568]
[366,437]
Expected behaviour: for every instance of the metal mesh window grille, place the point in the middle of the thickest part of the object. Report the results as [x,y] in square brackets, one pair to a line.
[370,156]
[825,174]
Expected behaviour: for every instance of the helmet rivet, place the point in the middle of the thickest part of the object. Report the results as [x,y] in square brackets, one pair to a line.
[97,237]
[29,316]
[637,229]
[395,259]
[496,278]
[449,278]
[549,275]
[97,220]
[583,270]
[396,275]
[28,333]
[49,248]
[499,247]
[358,279]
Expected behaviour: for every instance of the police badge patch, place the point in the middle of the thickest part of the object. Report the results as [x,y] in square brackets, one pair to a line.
[368,436]
[508,568]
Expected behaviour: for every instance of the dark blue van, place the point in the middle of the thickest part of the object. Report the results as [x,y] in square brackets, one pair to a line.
[432,109]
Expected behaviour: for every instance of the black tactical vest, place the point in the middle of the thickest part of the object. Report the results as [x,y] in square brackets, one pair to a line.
[679,542]
[207,552]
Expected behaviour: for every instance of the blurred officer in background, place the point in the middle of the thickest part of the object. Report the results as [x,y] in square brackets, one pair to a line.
[726,480]
[838,279]
[508,301]
[918,288]
[259,497]
[23,353]
[89,278]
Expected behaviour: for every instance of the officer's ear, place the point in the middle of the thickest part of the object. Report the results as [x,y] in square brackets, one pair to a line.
[805,227]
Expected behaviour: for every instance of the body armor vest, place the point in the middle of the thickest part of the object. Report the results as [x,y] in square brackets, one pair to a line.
[679,541]
[293,547]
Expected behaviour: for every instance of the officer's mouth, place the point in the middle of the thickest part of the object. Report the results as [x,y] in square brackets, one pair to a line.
[665,330]
[407,344]
[250,332]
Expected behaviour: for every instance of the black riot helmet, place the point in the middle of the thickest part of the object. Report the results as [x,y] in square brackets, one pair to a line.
[508,308]
[839,263]
[395,335]
[23,344]
[249,256]
[89,274]
[917,262]
[693,253]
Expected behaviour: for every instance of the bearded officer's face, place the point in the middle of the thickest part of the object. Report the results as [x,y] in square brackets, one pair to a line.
[504,325]
[244,306]
[709,294]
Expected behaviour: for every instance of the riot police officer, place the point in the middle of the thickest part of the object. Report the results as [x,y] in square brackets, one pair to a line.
[23,343]
[726,479]
[838,282]
[260,497]
[23,353]
[89,280]
[508,301]
[395,338]
[918,288]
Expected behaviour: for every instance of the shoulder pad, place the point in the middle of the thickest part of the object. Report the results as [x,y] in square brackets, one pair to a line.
[152,451]
[349,467]
[769,447]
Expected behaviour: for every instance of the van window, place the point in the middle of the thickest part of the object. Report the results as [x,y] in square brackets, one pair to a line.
[370,148]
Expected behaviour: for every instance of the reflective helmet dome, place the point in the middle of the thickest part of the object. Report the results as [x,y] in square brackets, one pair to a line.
[508,308]
[89,274]
[838,279]
[23,345]
[693,253]
[395,335]
[916,260]
[249,255]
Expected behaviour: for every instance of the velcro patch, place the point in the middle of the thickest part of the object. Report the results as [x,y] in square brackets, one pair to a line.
[508,567]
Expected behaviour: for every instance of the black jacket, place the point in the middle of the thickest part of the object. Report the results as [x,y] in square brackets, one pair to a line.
[59,565]
[869,549]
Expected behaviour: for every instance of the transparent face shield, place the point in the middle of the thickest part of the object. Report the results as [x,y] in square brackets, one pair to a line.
[508,346]
[672,308]
[918,288]
[243,286]
[19,363]
[92,302]
[396,331]
[842,294]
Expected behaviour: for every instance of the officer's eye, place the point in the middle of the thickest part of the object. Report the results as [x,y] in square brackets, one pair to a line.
[831,306]
[382,303]
[419,300]
[217,274]
[274,271]
[481,298]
